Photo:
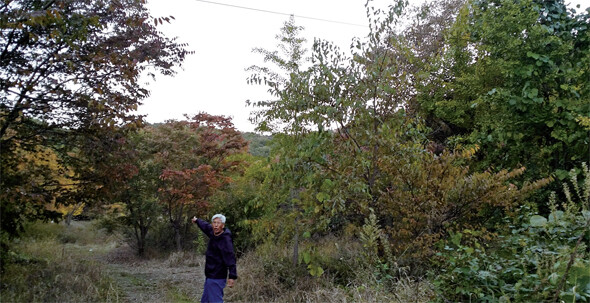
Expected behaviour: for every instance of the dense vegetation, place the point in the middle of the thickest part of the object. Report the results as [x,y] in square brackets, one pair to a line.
[445,159]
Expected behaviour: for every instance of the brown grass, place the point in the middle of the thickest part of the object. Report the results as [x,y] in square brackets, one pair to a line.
[266,275]
[81,264]
[54,266]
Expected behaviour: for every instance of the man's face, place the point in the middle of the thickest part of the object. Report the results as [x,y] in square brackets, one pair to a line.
[217,226]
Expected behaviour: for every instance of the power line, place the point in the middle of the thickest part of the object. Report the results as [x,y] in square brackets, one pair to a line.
[279,13]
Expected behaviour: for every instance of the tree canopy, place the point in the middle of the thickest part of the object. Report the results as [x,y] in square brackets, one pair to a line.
[69,70]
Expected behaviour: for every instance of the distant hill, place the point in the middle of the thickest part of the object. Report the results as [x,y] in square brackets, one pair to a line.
[258,144]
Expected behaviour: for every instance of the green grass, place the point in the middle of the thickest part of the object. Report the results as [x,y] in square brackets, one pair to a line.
[53,262]
[174,294]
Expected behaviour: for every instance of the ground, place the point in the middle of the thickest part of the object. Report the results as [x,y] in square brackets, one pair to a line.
[179,278]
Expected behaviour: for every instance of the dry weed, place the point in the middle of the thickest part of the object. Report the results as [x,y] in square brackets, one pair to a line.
[264,277]
[47,269]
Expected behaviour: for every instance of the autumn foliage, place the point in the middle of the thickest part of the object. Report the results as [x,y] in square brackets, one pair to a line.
[417,156]
[431,196]
[193,156]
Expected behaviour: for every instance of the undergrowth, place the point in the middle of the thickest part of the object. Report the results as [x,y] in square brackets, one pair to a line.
[268,275]
[539,258]
[50,263]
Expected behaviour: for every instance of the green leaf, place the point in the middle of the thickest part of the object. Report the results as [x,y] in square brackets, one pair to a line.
[554,278]
[456,239]
[317,209]
[315,270]
[512,101]
[533,93]
[306,257]
[532,55]
[556,216]
[321,196]
[568,297]
[319,271]
[562,174]
[538,221]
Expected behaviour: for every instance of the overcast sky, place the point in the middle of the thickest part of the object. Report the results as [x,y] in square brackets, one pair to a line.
[213,79]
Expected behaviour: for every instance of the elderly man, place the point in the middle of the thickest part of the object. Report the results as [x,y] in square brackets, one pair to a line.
[220,258]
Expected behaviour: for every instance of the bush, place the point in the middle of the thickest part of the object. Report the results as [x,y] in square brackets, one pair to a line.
[109,223]
[432,196]
[41,231]
[538,259]
[268,275]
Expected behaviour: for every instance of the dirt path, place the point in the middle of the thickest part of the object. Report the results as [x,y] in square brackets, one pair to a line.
[176,279]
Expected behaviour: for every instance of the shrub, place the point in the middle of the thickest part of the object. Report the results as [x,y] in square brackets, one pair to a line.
[110,223]
[268,275]
[159,239]
[431,196]
[538,259]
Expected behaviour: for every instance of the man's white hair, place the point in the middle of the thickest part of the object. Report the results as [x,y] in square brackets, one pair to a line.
[220,216]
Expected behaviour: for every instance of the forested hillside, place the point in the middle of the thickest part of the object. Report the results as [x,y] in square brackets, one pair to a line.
[258,145]
[444,159]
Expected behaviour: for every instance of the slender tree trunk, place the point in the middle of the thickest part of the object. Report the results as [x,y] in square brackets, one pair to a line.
[175,220]
[141,241]
[69,218]
[177,237]
[141,246]
[296,244]
[70,214]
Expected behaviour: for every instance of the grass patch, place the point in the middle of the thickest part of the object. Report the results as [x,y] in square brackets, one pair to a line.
[50,263]
[267,275]
[177,295]
[55,263]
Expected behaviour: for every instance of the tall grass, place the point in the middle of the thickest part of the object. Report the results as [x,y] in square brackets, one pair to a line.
[267,275]
[55,263]
[50,263]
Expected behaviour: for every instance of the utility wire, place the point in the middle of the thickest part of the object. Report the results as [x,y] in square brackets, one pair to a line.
[279,13]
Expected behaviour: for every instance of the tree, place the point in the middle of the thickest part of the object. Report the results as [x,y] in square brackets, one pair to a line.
[243,201]
[533,258]
[72,64]
[513,79]
[134,181]
[290,197]
[348,98]
[280,114]
[194,155]
[27,178]
[258,144]
[353,145]
[70,73]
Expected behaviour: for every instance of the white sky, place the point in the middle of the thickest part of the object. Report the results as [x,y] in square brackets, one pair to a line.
[213,79]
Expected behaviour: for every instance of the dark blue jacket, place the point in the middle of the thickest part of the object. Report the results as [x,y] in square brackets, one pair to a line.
[220,257]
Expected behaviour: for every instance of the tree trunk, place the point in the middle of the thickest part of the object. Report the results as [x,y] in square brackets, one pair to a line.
[296,244]
[143,230]
[177,237]
[70,214]
[69,218]
[141,247]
